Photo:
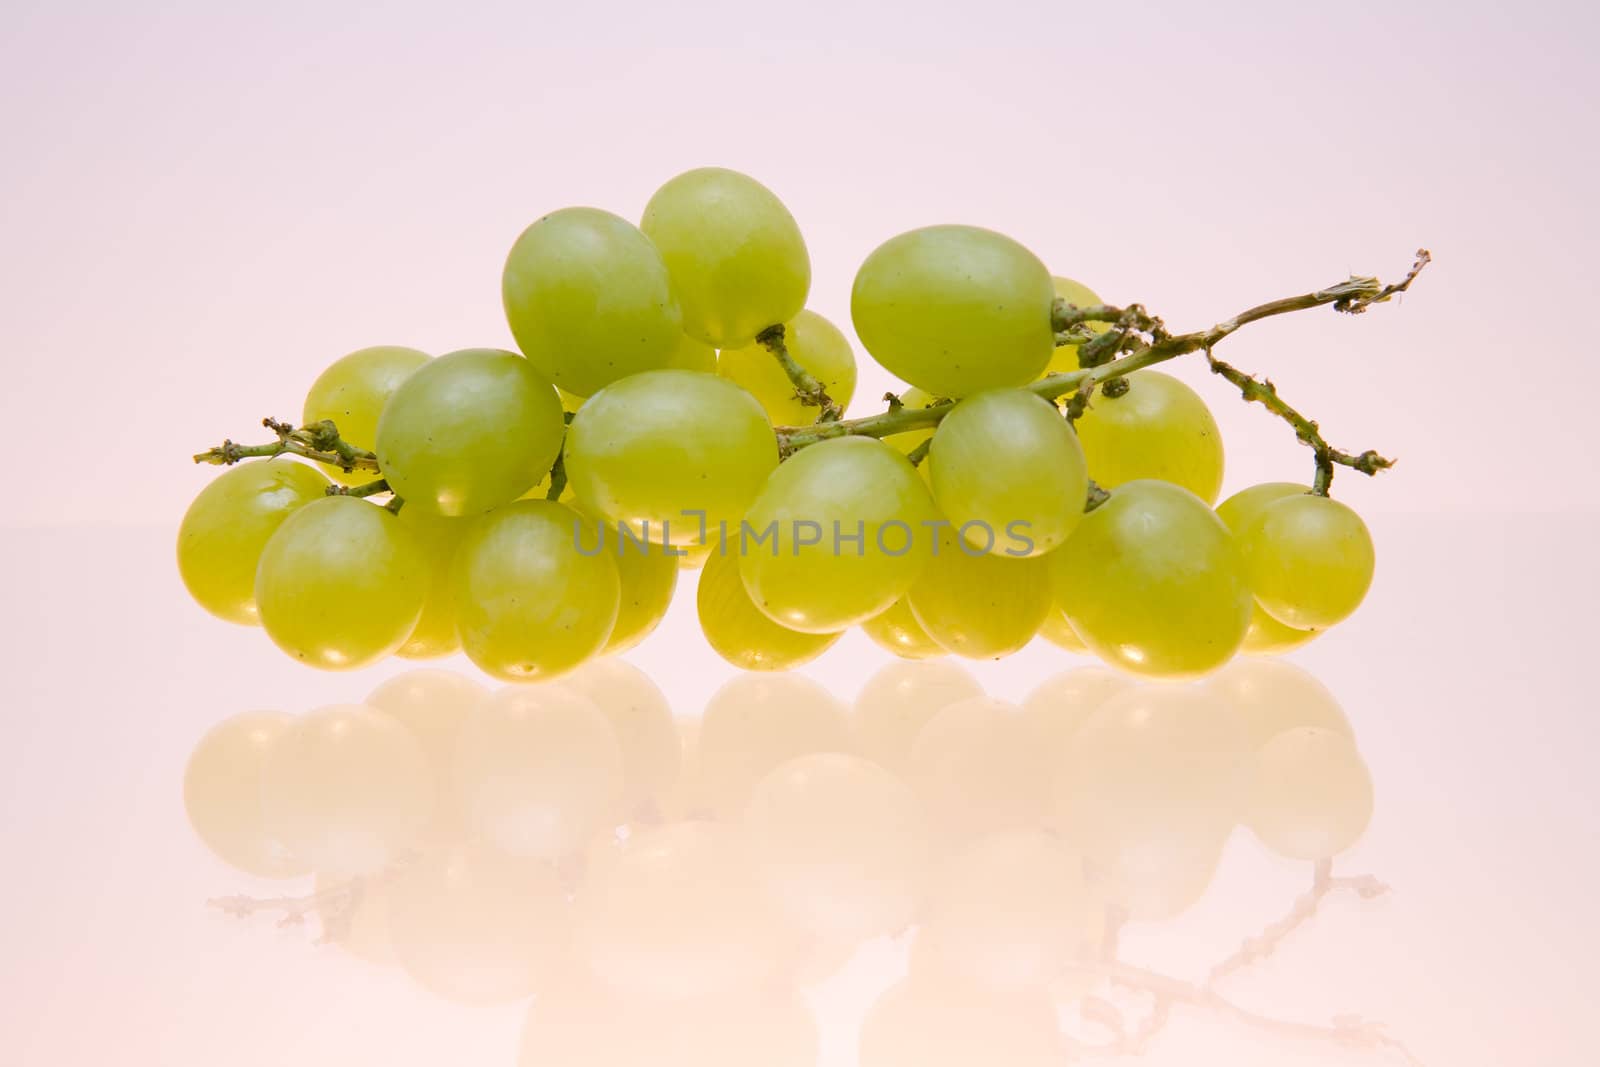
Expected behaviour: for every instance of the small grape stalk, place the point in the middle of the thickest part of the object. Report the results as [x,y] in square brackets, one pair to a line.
[1032,436]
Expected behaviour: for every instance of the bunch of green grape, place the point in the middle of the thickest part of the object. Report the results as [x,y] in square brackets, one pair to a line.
[535,508]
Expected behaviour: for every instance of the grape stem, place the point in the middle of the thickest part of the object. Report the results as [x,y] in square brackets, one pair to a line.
[807,388]
[1136,340]
[369,489]
[318,441]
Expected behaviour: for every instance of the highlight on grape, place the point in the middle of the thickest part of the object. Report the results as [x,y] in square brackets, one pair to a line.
[673,388]
[641,875]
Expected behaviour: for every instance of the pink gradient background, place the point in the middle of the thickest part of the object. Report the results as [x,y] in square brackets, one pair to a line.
[204,204]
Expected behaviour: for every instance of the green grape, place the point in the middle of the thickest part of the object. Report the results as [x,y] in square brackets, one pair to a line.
[230,522]
[977,604]
[691,355]
[1313,795]
[814,343]
[468,432]
[1309,559]
[955,310]
[341,584]
[846,526]
[535,594]
[896,629]
[737,630]
[1159,428]
[736,257]
[654,449]
[647,577]
[1153,582]
[1008,472]
[352,392]
[1059,632]
[1266,636]
[589,301]
[435,633]
[1066,356]
[222,794]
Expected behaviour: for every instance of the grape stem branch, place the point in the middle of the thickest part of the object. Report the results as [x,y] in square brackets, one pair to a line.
[318,441]
[807,388]
[1134,341]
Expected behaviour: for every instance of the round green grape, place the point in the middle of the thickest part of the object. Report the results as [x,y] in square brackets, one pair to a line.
[435,633]
[647,578]
[352,392]
[1008,472]
[341,584]
[814,343]
[1266,636]
[846,531]
[1159,428]
[536,591]
[896,629]
[653,449]
[589,300]
[737,260]
[1065,357]
[468,432]
[1269,637]
[230,522]
[977,604]
[1153,582]
[1309,559]
[737,630]
[955,310]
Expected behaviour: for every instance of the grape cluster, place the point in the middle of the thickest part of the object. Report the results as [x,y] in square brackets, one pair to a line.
[675,404]
[579,843]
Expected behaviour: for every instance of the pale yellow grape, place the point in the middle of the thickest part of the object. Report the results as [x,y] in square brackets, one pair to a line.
[1065,357]
[978,767]
[945,1020]
[1009,473]
[435,633]
[347,790]
[1059,632]
[341,584]
[1266,635]
[647,736]
[652,449]
[737,630]
[1057,706]
[1008,911]
[477,927]
[585,1023]
[753,723]
[433,705]
[538,772]
[351,394]
[1313,796]
[1159,428]
[1309,559]
[977,604]
[647,577]
[222,794]
[676,912]
[737,260]
[896,629]
[814,343]
[530,605]
[1266,698]
[841,843]
[955,310]
[1153,582]
[588,299]
[354,913]
[847,528]
[898,701]
[469,431]
[1148,788]
[230,522]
